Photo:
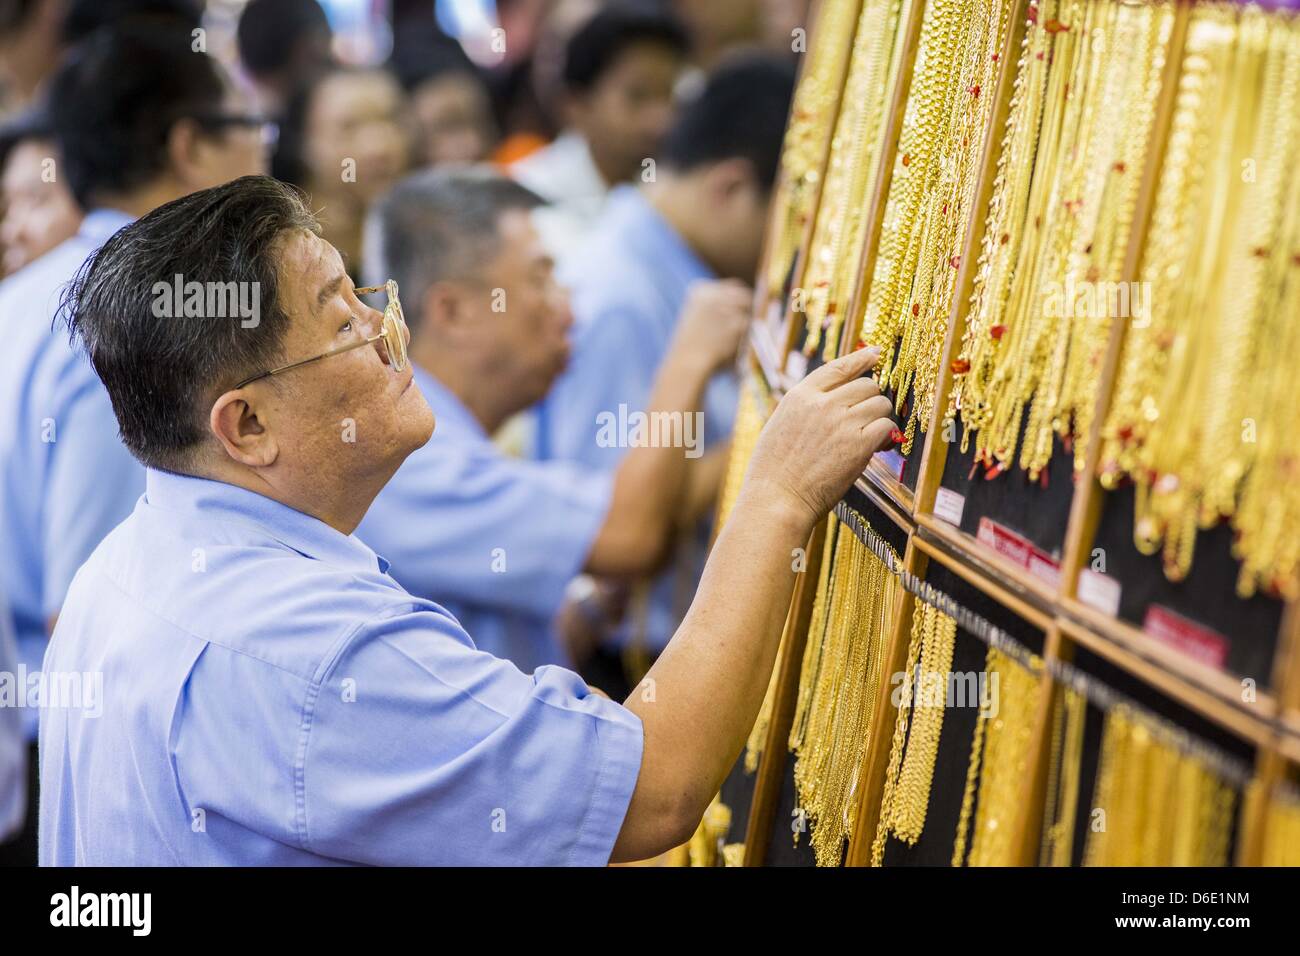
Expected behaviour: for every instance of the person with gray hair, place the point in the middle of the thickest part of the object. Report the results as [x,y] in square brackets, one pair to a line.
[240,622]
[497,539]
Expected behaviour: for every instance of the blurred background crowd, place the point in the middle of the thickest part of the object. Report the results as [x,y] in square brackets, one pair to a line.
[571,107]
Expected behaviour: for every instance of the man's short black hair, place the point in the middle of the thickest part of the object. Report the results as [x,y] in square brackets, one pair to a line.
[114,101]
[85,17]
[162,373]
[740,113]
[269,32]
[598,43]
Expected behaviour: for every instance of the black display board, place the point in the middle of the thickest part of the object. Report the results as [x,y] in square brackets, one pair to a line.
[1037,510]
[1207,596]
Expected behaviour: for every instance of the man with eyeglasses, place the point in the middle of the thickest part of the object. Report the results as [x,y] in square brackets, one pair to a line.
[139,119]
[277,697]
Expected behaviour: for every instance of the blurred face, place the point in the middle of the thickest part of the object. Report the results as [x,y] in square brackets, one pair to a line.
[231,150]
[349,417]
[355,121]
[526,344]
[625,115]
[454,120]
[38,214]
[738,216]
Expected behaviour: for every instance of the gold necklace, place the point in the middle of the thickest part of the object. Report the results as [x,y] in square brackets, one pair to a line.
[1155,804]
[1282,831]
[1086,84]
[1000,758]
[1200,412]
[1069,713]
[839,682]
[807,137]
[839,232]
[749,422]
[816,630]
[931,197]
[918,726]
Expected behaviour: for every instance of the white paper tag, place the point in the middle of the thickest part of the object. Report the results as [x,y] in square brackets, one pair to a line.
[796,365]
[1099,591]
[949,505]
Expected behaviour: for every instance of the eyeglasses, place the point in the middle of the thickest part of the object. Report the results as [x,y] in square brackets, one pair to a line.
[393,334]
[267,130]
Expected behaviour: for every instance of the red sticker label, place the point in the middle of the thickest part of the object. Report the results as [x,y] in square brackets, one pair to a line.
[1186,636]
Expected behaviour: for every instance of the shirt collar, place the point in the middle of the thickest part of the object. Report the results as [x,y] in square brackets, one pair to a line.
[300,532]
[99,224]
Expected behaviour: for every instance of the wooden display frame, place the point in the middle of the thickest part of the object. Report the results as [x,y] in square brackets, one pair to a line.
[1270,723]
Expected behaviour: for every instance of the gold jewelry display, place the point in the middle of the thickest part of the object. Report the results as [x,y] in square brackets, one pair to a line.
[816,631]
[1201,415]
[999,762]
[706,845]
[807,136]
[840,678]
[750,418]
[838,234]
[1047,287]
[1154,804]
[1069,714]
[931,196]
[918,726]
[1282,829]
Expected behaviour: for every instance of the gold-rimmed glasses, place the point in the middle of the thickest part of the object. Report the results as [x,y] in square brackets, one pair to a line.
[393,333]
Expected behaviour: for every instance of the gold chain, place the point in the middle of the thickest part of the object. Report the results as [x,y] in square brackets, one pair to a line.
[1001,755]
[838,686]
[1153,803]
[1200,419]
[808,135]
[836,245]
[1063,198]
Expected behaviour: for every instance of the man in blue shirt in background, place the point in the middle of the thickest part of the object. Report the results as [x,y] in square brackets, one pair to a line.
[701,218]
[273,696]
[140,119]
[496,539]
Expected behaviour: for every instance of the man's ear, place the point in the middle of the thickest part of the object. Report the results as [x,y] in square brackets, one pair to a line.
[446,311]
[237,422]
[186,143]
[729,177]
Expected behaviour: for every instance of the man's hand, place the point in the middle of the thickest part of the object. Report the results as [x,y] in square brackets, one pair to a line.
[821,435]
[714,320]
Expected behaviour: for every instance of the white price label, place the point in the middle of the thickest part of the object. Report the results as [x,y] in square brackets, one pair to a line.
[1099,591]
[949,505]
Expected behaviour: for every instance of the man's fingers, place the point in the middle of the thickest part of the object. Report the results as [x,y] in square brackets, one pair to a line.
[855,392]
[873,407]
[844,369]
[878,434]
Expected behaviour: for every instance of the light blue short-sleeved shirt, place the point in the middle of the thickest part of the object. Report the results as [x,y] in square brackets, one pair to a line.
[494,539]
[629,283]
[13,745]
[270,695]
[66,479]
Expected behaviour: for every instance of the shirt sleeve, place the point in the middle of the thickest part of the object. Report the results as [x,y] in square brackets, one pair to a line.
[483,528]
[420,750]
[93,482]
